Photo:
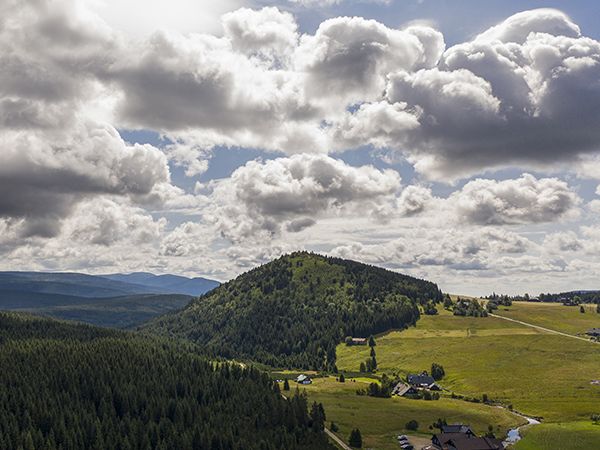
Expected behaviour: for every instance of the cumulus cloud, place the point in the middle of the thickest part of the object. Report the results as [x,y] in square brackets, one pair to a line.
[348,58]
[522,93]
[292,192]
[414,199]
[561,242]
[45,174]
[518,201]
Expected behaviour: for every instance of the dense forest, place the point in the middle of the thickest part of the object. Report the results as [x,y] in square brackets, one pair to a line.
[292,312]
[73,387]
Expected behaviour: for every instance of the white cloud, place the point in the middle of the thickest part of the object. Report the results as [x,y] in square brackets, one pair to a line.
[292,192]
[523,200]
[561,242]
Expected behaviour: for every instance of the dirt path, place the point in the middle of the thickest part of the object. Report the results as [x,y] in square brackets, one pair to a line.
[548,330]
[337,440]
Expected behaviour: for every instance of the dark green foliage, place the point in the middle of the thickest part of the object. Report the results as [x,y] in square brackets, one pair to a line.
[75,387]
[437,371]
[363,367]
[286,385]
[447,301]
[372,342]
[470,308]
[333,427]
[382,389]
[293,311]
[582,309]
[342,378]
[355,439]
[412,425]
[439,424]
[430,309]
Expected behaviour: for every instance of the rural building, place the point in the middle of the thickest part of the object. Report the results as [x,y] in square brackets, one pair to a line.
[403,389]
[464,441]
[423,380]
[303,379]
[458,428]
[594,332]
[359,341]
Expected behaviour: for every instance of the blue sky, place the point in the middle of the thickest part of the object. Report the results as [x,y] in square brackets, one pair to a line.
[454,141]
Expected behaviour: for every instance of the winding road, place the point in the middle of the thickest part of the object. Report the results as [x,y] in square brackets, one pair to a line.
[548,330]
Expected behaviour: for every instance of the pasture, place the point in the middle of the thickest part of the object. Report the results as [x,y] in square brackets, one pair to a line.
[555,316]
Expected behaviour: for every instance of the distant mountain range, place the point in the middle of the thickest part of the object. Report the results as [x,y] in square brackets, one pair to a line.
[173,284]
[115,300]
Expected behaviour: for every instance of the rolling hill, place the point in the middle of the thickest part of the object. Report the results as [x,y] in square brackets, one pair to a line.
[78,387]
[292,312]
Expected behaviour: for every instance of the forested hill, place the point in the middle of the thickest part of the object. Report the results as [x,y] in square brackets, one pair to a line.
[76,387]
[292,312]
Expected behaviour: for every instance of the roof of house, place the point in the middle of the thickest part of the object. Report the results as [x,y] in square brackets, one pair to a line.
[420,379]
[302,378]
[594,331]
[462,441]
[401,389]
[456,428]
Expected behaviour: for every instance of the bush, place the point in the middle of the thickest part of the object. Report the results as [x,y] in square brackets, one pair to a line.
[412,425]
[437,371]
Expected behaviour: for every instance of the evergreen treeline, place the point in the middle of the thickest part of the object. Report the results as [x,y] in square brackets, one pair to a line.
[293,311]
[74,387]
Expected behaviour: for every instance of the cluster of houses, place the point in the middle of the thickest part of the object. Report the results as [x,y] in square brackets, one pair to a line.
[461,437]
[415,383]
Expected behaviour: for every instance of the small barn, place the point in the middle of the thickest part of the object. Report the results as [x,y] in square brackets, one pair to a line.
[303,379]
[403,389]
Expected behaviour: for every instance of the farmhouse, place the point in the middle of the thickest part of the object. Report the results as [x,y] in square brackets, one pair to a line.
[594,332]
[423,380]
[458,428]
[359,341]
[403,389]
[463,441]
[303,379]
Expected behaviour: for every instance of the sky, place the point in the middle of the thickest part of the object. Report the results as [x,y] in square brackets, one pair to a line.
[453,141]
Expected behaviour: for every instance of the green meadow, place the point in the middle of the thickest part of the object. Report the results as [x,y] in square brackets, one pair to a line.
[538,373]
[555,316]
[382,419]
[573,435]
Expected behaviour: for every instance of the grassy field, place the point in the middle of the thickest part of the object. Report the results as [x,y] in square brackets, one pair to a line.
[382,419]
[555,316]
[540,374]
[574,435]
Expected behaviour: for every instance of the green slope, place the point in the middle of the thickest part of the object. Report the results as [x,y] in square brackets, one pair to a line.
[76,387]
[295,310]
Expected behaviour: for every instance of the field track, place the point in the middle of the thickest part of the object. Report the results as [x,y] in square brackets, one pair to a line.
[544,329]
